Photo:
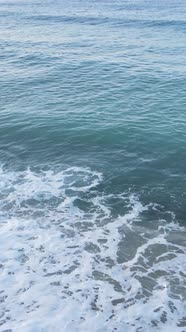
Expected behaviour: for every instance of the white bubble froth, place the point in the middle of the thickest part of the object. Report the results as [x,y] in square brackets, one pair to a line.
[68,263]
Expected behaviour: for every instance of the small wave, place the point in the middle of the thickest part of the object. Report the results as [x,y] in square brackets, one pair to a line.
[68,260]
[114,22]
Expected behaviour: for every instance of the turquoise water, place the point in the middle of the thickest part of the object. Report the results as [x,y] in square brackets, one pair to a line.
[92,165]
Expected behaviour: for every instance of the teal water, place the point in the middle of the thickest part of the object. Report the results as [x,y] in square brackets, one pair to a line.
[92,155]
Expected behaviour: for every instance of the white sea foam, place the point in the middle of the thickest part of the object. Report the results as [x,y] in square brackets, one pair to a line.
[68,263]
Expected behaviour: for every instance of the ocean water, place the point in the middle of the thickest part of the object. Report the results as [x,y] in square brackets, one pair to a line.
[92,166]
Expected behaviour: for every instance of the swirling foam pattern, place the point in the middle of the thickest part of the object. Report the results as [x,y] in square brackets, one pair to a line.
[69,263]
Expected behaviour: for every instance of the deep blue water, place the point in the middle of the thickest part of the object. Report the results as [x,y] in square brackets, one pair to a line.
[92,156]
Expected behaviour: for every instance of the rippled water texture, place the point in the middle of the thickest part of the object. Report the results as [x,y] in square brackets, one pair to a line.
[92,166]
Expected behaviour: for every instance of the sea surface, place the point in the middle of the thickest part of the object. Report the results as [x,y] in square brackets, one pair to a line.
[92,166]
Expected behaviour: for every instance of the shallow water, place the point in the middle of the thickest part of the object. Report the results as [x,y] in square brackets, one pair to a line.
[92,166]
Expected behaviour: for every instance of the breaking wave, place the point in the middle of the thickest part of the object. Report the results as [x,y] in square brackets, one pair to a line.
[70,261]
